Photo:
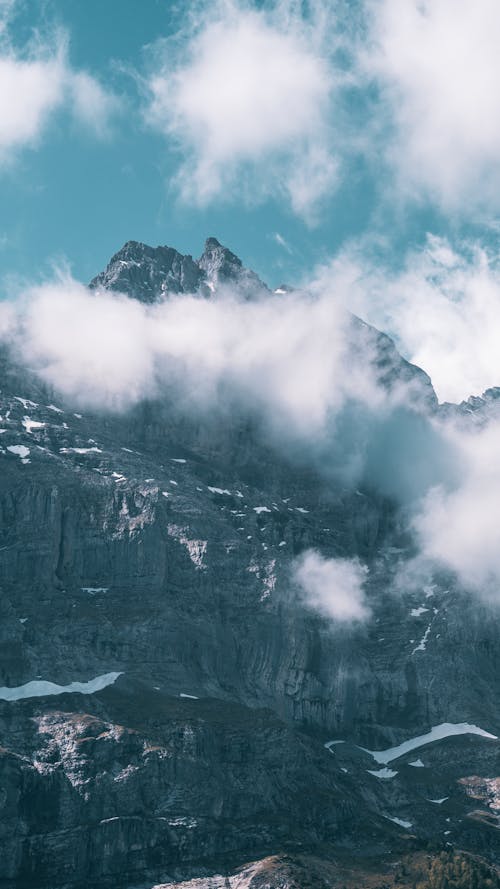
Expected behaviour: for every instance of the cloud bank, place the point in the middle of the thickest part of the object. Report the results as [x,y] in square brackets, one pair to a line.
[332,587]
[442,307]
[290,358]
[457,528]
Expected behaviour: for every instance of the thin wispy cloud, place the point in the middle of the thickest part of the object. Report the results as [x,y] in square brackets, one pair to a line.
[282,242]
[38,81]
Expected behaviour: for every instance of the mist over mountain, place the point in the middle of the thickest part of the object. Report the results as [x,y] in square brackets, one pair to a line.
[249,574]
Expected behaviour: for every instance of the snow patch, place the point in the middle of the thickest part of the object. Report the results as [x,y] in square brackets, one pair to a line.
[330,744]
[417,764]
[219,491]
[39,688]
[259,509]
[399,822]
[19,450]
[422,645]
[382,773]
[416,612]
[437,733]
[92,450]
[26,403]
[30,424]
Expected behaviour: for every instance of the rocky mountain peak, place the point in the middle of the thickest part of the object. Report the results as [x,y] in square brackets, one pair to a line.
[151,273]
[219,261]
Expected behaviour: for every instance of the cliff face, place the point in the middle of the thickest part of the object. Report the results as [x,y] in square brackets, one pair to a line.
[148,558]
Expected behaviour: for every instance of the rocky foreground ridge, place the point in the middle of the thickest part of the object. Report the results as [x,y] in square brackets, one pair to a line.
[170,710]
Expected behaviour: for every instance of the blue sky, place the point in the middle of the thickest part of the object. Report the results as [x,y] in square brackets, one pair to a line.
[74,196]
[78,197]
[357,144]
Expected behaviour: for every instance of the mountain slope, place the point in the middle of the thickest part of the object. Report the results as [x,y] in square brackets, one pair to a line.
[150,558]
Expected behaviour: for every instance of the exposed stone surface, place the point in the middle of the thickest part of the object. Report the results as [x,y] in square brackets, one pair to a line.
[150,273]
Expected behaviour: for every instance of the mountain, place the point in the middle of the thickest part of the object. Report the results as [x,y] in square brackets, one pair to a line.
[171,710]
[149,273]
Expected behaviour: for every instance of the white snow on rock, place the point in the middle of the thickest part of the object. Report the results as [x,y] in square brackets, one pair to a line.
[195,548]
[416,612]
[94,590]
[19,450]
[417,764]
[178,460]
[92,450]
[269,579]
[382,773]
[39,688]
[57,410]
[259,509]
[219,491]
[191,697]
[399,821]
[437,733]
[439,802]
[422,645]
[26,403]
[330,744]
[30,424]
[301,509]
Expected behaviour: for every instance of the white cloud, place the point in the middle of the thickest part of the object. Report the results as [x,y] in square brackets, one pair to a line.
[333,587]
[282,242]
[442,306]
[248,97]
[438,67]
[37,82]
[29,92]
[292,361]
[92,104]
[458,529]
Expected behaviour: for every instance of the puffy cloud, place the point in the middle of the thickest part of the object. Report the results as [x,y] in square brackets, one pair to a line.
[439,306]
[332,587]
[247,95]
[457,528]
[437,65]
[37,81]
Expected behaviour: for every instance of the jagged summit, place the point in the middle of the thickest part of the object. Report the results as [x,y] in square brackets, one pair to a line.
[150,273]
